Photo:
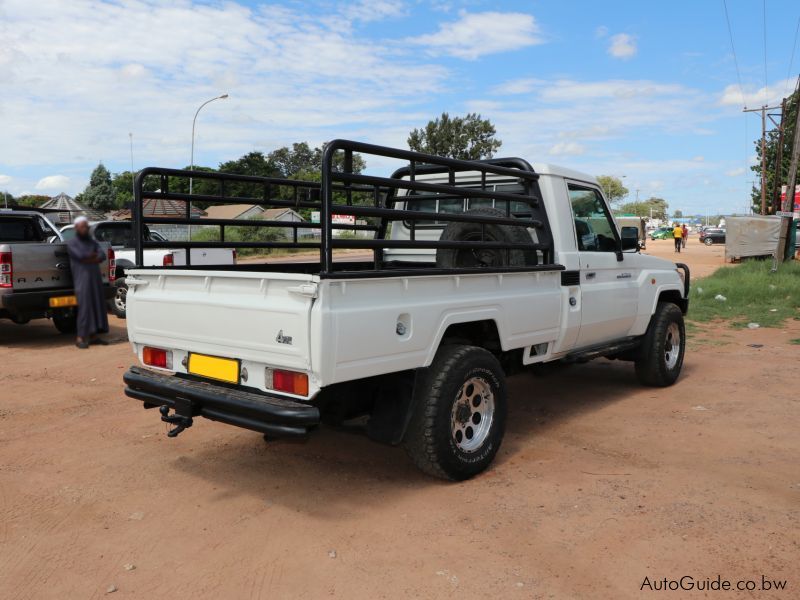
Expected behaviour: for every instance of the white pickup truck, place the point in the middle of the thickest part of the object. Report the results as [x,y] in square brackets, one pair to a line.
[119,235]
[476,270]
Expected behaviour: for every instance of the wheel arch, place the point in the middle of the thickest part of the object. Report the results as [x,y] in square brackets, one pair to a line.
[477,328]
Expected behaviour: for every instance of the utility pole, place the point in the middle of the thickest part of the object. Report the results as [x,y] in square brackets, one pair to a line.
[791,182]
[763,110]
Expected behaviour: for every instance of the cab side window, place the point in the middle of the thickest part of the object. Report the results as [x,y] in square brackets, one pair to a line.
[594,229]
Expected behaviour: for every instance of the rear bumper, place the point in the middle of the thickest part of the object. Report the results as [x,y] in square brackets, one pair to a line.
[260,412]
[40,300]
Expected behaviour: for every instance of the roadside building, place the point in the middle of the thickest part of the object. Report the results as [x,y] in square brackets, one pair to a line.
[69,209]
[159,207]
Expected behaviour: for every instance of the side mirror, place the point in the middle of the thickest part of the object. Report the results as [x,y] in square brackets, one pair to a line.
[630,238]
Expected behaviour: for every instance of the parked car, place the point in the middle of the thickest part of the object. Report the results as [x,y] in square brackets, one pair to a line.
[35,279]
[120,235]
[509,266]
[712,235]
[662,233]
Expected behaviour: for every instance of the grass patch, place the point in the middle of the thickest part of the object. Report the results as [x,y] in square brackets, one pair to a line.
[795,341]
[753,294]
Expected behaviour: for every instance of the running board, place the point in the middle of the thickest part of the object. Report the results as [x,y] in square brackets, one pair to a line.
[599,351]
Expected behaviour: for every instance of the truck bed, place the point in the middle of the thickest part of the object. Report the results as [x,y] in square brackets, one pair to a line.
[335,329]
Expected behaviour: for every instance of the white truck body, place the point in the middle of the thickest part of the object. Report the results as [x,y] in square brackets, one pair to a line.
[344,330]
[478,269]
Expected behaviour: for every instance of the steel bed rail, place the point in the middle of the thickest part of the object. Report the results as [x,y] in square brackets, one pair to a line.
[373,202]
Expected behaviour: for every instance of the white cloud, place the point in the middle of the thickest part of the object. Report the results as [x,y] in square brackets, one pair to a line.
[5,179]
[735,172]
[771,95]
[292,74]
[477,34]
[374,10]
[699,158]
[516,86]
[622,46]
[53,182]
[567,149]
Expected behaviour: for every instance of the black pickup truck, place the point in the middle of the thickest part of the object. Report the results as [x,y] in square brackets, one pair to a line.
[35,279]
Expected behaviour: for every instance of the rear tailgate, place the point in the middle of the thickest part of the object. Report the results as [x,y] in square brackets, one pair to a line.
[261,319]
[39,266]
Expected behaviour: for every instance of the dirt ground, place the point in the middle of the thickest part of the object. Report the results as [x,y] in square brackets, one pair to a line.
[599,484]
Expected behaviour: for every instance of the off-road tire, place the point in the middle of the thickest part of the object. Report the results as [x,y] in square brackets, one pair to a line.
[429,439]
[652,365]
[118,304]
[451,258]
[66,322]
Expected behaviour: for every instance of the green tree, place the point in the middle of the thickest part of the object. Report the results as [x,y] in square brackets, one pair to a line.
[31,199]
[99,194]
[678,214]
[655,207]
[468,138]
[789,119]
[613,189]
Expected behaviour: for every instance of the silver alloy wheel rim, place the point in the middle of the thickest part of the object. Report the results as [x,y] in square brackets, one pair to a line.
[120,299]
[672,345]
[472,415]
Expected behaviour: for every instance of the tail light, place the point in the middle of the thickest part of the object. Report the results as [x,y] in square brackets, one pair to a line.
[169,260]
[6,270]
[157,357]
[291,382]
[112,266]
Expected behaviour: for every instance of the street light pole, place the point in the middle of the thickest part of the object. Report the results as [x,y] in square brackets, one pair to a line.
[194,123]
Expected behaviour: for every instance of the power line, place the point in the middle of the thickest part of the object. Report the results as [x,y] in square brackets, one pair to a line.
[791,60]
[766,88]
[733,49]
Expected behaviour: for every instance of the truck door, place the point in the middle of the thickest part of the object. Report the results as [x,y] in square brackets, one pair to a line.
[609,294]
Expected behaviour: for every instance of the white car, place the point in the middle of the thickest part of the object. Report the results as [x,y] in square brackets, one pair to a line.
[479,269]
[119,235]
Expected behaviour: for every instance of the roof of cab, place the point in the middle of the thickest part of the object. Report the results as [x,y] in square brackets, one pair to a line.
[556,171]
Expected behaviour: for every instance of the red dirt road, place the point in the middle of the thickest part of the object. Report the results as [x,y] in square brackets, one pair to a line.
[599,484]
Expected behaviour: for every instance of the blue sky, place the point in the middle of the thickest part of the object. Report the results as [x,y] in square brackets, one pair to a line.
[647,90]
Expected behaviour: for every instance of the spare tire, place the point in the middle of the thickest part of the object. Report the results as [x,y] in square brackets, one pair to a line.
[452,258]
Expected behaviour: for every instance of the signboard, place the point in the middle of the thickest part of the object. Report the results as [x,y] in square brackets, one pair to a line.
[786,214]
[335,219]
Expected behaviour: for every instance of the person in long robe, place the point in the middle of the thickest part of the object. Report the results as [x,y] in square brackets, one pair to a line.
[85,258]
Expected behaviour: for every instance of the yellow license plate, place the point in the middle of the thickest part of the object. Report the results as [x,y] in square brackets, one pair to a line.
[61,301]
[213,367]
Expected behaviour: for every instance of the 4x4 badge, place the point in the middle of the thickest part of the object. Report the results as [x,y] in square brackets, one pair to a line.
[283,339]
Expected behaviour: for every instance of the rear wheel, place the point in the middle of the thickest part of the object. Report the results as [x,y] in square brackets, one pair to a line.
[119,302]
[460,414]
[708,241]
[66,321]
[661,354]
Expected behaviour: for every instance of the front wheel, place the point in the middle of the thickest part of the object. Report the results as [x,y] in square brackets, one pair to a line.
[661,354]
[460,413]
[708,241]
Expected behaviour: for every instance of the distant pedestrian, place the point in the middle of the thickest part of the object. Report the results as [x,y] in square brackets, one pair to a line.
[85,256]
[685,235]
[677,234]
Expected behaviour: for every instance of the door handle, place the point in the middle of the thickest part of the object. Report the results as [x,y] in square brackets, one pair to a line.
[591,275]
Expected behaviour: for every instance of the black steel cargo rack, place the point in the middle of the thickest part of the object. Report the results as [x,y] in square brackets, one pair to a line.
[373,202]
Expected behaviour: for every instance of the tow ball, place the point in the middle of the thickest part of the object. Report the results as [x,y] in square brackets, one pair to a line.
[181,422]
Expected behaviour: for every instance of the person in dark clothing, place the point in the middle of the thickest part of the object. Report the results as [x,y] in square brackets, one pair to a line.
[85,257]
